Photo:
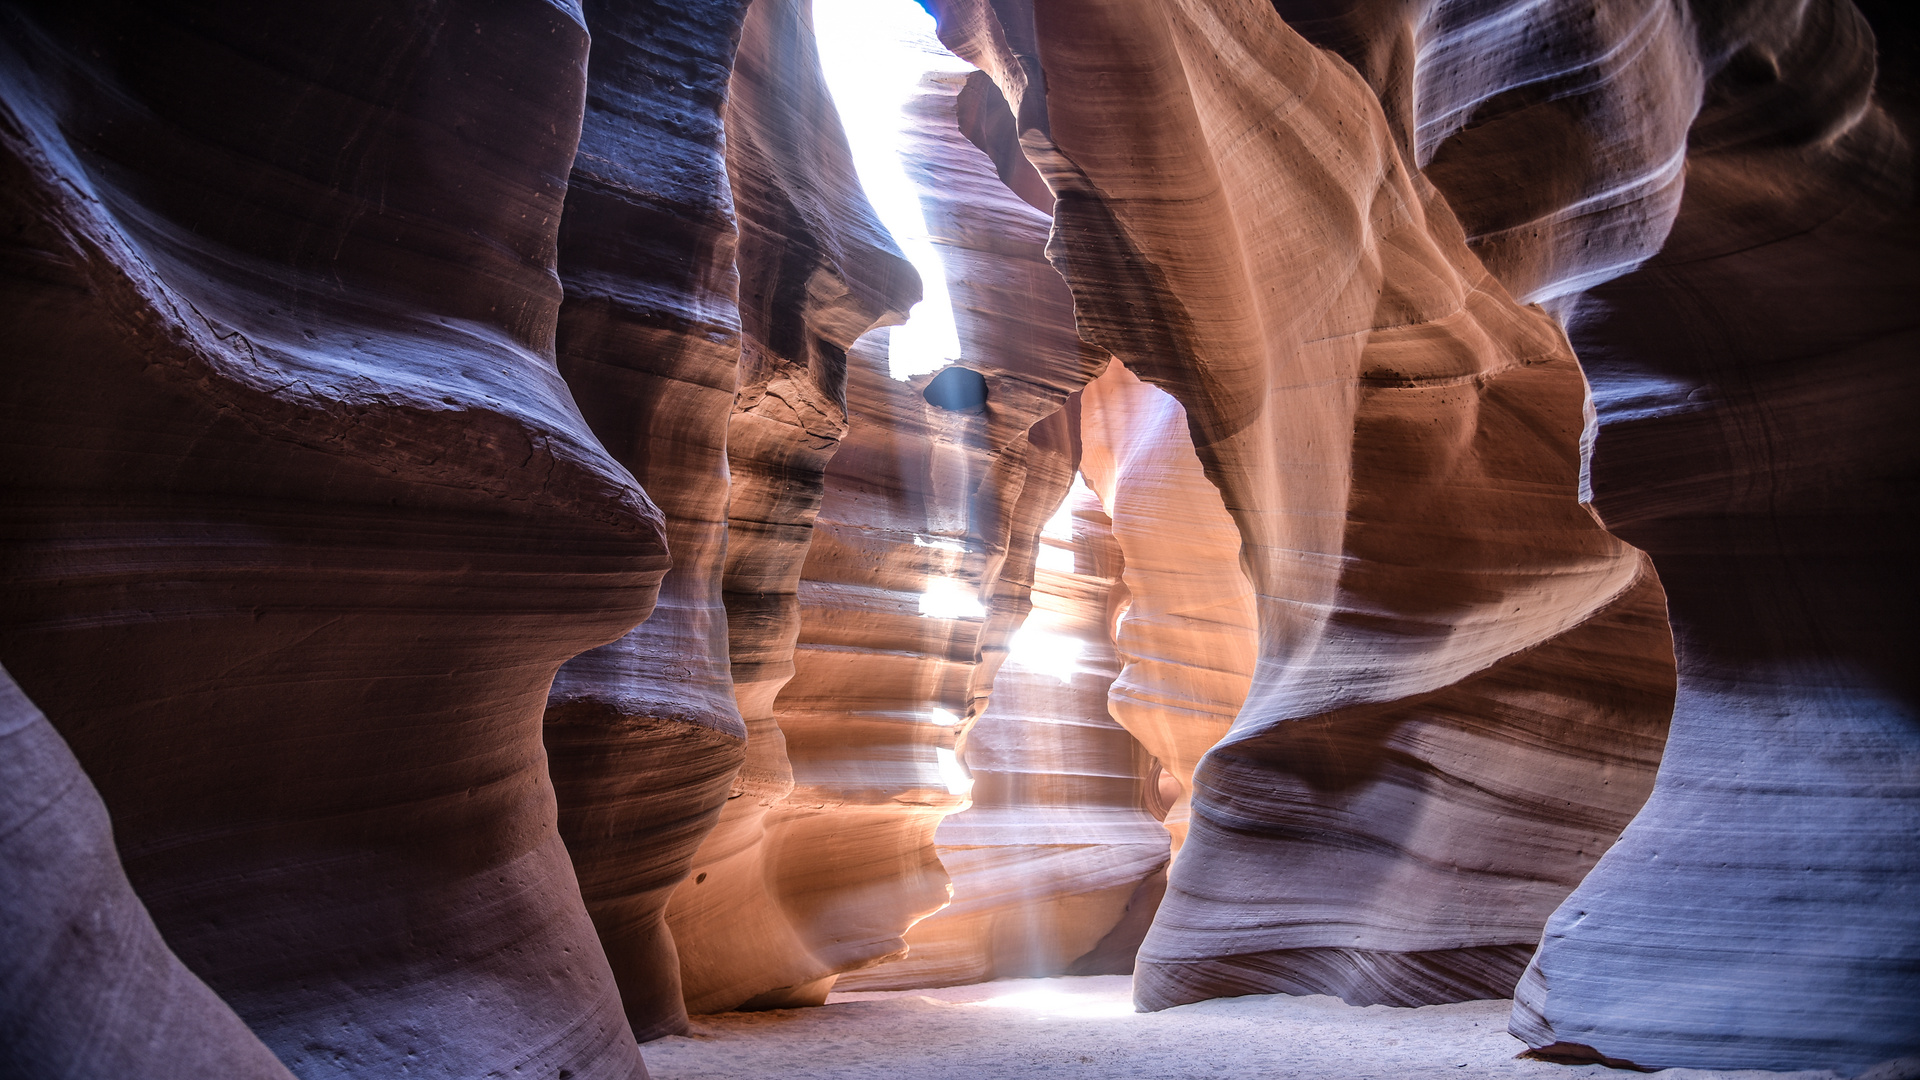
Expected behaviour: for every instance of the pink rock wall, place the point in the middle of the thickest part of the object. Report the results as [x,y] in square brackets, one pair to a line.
[643,737]
[1755,393]
[302,518]
[1398,442]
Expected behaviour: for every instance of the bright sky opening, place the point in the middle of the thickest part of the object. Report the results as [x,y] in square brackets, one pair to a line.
[874,53]
[950,598]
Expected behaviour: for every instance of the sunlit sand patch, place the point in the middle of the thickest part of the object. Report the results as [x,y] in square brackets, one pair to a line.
[1021,1029]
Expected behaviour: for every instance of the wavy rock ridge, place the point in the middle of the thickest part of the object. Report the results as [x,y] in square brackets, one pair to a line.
[302,519]
[1057,862]
[1558,142]
[1764,459]
[918,501]
[643,736]
[818,271]
[1391,397]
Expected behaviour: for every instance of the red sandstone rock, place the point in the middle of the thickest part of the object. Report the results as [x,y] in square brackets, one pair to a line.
[301,517]
[919,500]
[1059,838]
[991,481]
[1756,393]
[1556,130]
[643,736]
[1187,636]
[88,988]
[817,271]
[1450,642]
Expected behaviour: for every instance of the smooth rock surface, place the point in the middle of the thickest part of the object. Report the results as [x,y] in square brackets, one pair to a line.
[1557,130]
[342,341]
[89,990]
[1058,843]
[301,518]
[1463,681]
[1756,393]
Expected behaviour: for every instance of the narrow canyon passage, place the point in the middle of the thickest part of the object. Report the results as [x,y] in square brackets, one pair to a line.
[596,539]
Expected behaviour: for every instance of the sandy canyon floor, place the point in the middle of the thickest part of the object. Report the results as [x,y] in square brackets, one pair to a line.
[1086,1028]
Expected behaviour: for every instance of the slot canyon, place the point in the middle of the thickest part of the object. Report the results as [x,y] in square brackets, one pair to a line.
[963,538]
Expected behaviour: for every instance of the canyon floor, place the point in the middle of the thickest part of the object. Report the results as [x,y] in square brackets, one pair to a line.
[1086,1028]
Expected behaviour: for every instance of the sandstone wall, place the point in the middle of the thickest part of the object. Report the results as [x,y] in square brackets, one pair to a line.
[1756,393]
[1187,636]
[918,501]
[1464,680]
[89,988]
[1056,842]
[343,341]
[643,736]
[817,271]
[1059,848]
[301,516]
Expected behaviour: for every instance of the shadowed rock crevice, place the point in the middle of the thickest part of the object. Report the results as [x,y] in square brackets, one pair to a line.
[90,989]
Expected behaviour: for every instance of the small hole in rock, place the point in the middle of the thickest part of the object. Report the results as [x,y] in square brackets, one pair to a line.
[957,389]
[699,878]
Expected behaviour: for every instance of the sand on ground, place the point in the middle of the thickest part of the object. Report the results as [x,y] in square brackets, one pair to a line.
[1086,1029]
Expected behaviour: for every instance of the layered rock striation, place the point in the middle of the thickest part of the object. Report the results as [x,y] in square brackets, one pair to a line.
[1059,848]
[1186,634]
[343,343]
[917,571]
[1755,391]
[1463,680]
[996,471]
[301,516]
[1557,141]
[89,988]
[1556,130]
[817,272]
[643,736]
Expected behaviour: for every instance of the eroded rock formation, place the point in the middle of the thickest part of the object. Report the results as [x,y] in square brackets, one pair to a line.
[1756,391]
[1556,130]
[818,271]
[1187,634]
[301,517]
[643,736]
[1463,679]
[1059,845]
[88,988]
[1028,898]
[920,501]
